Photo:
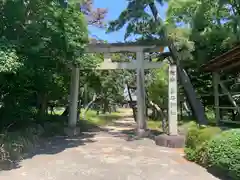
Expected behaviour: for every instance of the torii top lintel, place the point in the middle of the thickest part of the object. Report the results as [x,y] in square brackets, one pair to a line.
[124,47]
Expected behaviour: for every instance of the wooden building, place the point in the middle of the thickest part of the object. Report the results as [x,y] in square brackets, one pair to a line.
[226,81]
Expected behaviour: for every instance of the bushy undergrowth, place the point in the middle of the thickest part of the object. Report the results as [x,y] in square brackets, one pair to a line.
[14,144]
[15,141]
[222,153]
[196,139]
[215,149]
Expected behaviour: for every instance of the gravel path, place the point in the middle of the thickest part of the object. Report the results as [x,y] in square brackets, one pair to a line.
[106,155]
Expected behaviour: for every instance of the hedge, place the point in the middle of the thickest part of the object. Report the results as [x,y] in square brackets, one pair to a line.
[215,149]
[223,153]
[196,138]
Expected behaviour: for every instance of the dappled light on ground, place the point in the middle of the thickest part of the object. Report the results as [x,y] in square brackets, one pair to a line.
[103,151]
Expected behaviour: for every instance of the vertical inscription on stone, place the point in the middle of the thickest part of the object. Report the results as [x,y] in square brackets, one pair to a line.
[172,100]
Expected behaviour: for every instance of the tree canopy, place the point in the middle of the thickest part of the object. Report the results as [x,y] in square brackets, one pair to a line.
[41,41]
[200,30]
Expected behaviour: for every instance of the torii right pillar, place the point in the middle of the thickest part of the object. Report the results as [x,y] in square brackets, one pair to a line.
[172,138]
[141,102]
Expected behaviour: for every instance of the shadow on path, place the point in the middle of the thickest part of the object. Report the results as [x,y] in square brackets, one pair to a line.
[126,128]
[63,158]
[53,145]
[220,175]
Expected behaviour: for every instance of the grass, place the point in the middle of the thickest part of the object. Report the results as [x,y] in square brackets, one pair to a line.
[154,125]
[104,119]
[101,119]
[183,126]
[92,117]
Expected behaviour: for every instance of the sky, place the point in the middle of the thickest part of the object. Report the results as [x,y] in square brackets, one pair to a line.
[115,7]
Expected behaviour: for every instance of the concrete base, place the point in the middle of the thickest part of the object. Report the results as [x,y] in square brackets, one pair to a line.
[72,131]
[141,133]
[170,141]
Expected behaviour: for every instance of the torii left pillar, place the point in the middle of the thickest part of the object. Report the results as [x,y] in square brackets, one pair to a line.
[72,128]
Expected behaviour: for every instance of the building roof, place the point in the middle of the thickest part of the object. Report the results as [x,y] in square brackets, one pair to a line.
[227,61]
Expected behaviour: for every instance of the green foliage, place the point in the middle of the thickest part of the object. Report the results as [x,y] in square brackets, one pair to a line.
[204,20]
[190,154]
[200,30]
[222,153]
[158,88]
[215,149]
[9,61]
[108,85]
[196,139]
[40,42]
[212,31]
[15,144]
[138,20]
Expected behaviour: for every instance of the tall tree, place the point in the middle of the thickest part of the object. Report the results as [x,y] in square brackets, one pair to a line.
[212,30]
[136,17]
[38,44]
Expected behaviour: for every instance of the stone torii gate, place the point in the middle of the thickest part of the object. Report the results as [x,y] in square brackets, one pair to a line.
[139,65]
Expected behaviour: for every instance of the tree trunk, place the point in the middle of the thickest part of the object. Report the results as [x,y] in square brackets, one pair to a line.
[154,114]
[131,103]
[79,108]
[89,105]
[162,115]
[105,106]
[185,106]
[42,106]
[195,103]
[146,110]
[66,111]
[181,110]
[114,108]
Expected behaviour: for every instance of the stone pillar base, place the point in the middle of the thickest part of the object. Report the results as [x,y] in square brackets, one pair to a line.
[142,133]
[171,141]
[69,131]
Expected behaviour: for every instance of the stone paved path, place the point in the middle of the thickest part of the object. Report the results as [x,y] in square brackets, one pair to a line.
[106,156]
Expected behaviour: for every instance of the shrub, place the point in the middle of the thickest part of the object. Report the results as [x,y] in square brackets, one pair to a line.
[200,154]
[14,144]
[196,138]
[190,154]
[222,153]
[192,136]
